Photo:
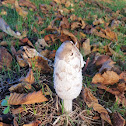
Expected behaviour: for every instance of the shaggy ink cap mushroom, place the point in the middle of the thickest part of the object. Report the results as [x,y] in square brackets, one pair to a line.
[68,73]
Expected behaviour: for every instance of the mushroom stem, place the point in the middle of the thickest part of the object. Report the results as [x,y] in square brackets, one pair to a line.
[67,105]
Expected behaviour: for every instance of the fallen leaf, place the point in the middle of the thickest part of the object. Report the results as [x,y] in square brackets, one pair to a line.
[73,17]
[107,33]
[82,35]
[28,4]
[31,98]
[92,101]
[86,47]
[17,110]
[107,78]
[98,21]
[20,86]
[101,59]
[34,123]
[5,59]
[5,27]
[118,120]
[50,39]
[121,87]
[20,10]
[75,25]
[64,23]
[98,79]
[29,77]
[69,34]
[39,63]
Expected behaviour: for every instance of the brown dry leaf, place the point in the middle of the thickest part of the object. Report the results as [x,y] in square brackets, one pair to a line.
[101,59]
[75,25]
[45,53]
[98,21]
[86,47]
[29,77]
[50,39]
[28,4]
[110,34]
[82,35]
[4,124]
[69,34]
[20,86]
[123,76]
[120,99]
[31,98]
[121,87]
[7,2]
[73,17]
[78,24]
[92,101]
[5,59]
[118,120]
[17,110]
[107,33]
[98,79]
[39,63]
[107,78]
[34,123]
[68,3]
[64,23]
[20,10]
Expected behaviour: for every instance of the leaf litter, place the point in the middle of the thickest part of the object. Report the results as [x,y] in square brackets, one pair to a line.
[31,92]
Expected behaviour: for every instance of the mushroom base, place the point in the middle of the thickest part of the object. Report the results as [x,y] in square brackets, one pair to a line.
[67,105]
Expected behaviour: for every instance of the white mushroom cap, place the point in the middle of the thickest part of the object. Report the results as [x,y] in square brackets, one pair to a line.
[68,71]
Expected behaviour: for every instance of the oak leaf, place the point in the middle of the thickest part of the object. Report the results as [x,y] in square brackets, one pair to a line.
[31,98]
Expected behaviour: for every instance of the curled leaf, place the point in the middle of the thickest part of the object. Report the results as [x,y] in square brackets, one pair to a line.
[5,27]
